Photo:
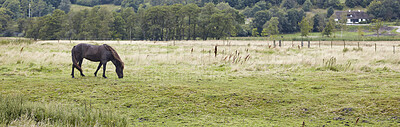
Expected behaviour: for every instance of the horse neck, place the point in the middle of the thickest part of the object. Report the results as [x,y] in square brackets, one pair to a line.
[116,62]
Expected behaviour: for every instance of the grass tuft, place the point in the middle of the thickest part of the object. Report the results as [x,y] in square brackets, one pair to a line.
[14,107]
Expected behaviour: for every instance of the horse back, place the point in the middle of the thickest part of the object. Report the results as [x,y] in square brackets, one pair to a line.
[93,52]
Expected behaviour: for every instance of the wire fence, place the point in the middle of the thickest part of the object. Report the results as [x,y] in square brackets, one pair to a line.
[197,62]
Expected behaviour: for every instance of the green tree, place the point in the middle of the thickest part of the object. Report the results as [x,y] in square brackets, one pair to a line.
[97,24]
[236,19]
[384,9]
[175,26]
[22,22]
[92,25]
[104,27]
[330,12]
[263,5]
[318,22]
[191,11]
[5,19]
[40,8]
[376,26]
[24,5]
[376,8]
[307,5]
[131,20]
[67,27]
[77,25]
[260,19]
[221,24]
[53,3]
[118,27]
[65,5]
[157,17]
[143,22]
[247,12]
[222,6]
[353,3]
[264,33]
[13,6]
[52,26]
[288,4]
[205,19]
[305,27]
[34,27]
[329,28]
[88,2]
[254,32]
[293,17]
[132,3]
[272,26]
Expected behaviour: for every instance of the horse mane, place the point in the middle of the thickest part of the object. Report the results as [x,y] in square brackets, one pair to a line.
[114,53]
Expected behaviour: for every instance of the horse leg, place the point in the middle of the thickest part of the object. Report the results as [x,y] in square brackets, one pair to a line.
[104,69]
[98,68]
[80,65]
[72,74]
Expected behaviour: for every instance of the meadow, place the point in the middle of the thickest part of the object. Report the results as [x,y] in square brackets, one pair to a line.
[183,83]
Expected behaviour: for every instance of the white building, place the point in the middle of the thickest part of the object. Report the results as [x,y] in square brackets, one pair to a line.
[352,16]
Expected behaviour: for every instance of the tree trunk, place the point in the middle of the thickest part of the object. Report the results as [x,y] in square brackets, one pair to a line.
[189,29]
[194,31]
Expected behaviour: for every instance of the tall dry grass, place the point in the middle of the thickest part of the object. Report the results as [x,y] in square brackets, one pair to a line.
[16,110]
[261,57]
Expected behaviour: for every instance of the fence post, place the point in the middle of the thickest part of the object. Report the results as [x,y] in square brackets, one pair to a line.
[331,43]
[292,43]
[274,43]
[319,44]
[394,49]
[375,47]
[308,44]
[280,43]
[216,50]
[344,44]
[358,44]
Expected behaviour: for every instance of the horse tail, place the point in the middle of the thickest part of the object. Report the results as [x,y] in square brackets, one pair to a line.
[74,61]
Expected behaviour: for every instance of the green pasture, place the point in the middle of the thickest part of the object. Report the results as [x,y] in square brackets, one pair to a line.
[110,7]
[183,83]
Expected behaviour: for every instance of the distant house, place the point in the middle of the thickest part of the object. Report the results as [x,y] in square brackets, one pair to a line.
[352,16]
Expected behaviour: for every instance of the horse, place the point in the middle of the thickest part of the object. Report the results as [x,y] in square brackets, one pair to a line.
[96,53]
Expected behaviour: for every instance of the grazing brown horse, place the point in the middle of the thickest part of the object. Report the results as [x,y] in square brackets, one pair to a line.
[96,53]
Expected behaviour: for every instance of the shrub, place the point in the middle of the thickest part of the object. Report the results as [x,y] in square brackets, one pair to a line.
[345,50]
[357,49]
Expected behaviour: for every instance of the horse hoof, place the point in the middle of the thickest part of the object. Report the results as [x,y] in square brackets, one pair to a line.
[104,77]
[83,75]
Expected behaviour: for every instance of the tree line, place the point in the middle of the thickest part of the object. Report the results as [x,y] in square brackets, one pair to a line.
[176,22]
[384,9]
[189,19]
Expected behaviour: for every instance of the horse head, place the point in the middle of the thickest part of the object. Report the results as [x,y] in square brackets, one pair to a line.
[119,68]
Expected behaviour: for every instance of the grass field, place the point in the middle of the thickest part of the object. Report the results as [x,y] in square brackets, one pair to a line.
[110,7]
[182,83]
